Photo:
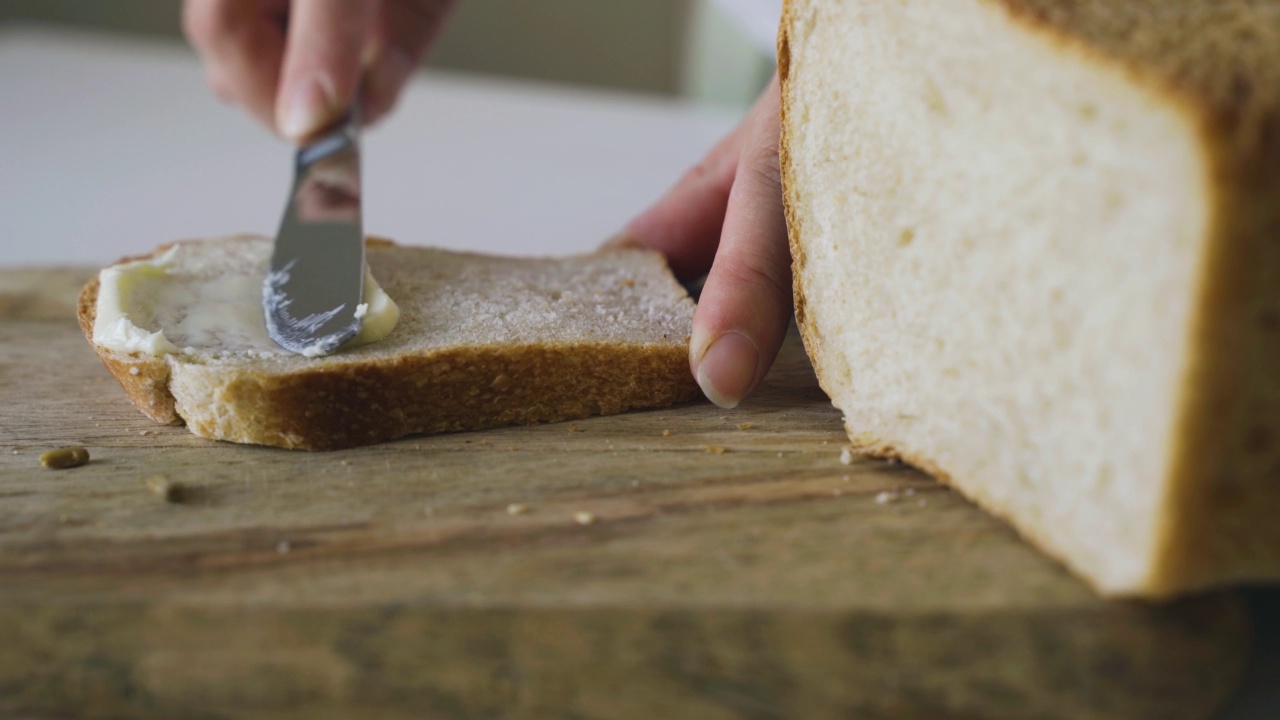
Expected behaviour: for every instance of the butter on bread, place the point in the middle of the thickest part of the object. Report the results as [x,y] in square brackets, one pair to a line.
[481,341]
[1037,254]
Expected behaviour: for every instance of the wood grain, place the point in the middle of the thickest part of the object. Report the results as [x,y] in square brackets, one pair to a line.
[767,580]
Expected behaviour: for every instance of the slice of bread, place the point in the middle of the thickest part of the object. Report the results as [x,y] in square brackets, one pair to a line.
[1037,253]
[481,342]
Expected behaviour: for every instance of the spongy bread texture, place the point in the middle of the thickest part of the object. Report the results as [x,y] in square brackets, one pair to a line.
[482,341]
[1035,248]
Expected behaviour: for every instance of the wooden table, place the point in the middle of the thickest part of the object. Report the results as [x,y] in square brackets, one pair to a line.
[688,562]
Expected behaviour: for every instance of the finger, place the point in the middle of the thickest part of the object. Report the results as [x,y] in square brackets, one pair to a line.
[405,32]
[745,306]
[685,223]
[242,45]
[323,62]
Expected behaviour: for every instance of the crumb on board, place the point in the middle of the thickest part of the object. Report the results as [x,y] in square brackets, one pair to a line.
[885,497]
[665,433]
[484,442]
[584,518]
[517,509]
[715,449]
[144,433]
[65,457]
[575,429]
[746,426]
[162,487]
[846,456]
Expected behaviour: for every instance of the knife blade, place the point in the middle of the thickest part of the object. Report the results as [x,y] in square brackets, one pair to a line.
[315,284]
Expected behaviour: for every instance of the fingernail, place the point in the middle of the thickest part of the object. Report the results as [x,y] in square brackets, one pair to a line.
[727,370]
[308,108]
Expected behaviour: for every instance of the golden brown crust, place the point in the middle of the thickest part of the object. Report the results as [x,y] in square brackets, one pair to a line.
[466,388]
[453,389]
[790,199]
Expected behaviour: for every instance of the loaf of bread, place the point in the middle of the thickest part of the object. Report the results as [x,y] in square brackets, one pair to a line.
[1037,254]
[480,342]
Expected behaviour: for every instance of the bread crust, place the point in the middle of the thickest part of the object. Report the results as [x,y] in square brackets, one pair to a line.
[1217,65]
[378,399]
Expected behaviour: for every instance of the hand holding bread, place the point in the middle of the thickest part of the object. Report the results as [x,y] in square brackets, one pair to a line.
[297,65]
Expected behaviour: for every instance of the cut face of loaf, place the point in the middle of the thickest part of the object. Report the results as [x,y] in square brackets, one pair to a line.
[1037,253]
[481,342]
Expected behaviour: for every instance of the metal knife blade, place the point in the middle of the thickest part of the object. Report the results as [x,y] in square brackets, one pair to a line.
[315,285]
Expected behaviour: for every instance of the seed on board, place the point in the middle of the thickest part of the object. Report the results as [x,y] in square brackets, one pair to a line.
[846,457]
[161,486]
[517,509]
[584,518]
[67,457]
[715,449]
[746,426]
[666,433]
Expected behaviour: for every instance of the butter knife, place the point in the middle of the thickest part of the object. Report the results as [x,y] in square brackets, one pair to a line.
[315,285]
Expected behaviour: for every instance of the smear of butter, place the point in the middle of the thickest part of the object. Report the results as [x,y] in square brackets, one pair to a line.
[151,307]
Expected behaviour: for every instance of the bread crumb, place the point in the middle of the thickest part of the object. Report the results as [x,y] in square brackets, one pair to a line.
[134,370]
[144,433]
[160,486]
[584,518]
[715,449]
[885,497]
[517,509]
[665,433]
[746,426]
[837,492]
[779,454]
[283,547]
[484,442]
[62,458]
[846,456]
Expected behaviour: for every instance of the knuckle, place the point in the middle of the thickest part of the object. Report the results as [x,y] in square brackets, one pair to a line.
[758,273]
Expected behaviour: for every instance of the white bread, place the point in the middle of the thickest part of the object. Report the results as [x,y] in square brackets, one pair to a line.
[481,342]
[1037,254]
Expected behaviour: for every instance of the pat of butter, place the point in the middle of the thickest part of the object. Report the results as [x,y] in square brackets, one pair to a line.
[153,307]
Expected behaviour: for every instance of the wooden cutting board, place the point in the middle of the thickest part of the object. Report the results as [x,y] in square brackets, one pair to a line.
[680,563]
